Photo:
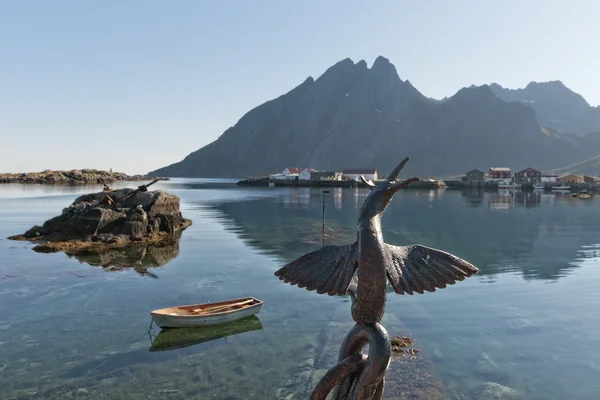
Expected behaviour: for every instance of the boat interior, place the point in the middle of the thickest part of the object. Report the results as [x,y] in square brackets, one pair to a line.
[208,309]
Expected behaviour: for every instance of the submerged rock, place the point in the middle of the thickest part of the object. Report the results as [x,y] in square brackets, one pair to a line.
[495,391]
[110,219]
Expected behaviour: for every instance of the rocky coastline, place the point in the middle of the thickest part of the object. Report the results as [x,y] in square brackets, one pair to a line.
[72,177]
[110,219]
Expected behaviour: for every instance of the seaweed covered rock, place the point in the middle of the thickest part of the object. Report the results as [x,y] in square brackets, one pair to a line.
[111,218]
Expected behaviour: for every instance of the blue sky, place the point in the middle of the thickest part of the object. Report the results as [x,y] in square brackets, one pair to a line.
[136,85]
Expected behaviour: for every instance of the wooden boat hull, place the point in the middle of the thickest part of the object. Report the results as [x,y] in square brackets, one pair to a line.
[170,339]
[186,316]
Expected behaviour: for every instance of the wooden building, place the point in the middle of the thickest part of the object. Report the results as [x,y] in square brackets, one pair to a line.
[475,175]
[499,173]
[529,174]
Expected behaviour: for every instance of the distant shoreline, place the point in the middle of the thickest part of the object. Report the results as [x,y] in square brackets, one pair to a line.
[266,182]
[72,177]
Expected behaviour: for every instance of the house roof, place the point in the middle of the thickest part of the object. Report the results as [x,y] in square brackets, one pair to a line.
[500,169]
[310,170]
[528,169]
[294,170]
[360,171]
[476,171]
[569,175]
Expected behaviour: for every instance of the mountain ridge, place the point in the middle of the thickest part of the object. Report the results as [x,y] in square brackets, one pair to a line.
[556,106]
[354,115]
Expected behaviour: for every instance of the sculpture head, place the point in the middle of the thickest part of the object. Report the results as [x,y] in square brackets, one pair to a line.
[381,195]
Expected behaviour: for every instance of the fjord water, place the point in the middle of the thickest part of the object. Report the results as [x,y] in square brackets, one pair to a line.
[528,320]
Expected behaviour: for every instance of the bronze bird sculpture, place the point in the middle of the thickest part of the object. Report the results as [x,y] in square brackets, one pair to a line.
[362,270]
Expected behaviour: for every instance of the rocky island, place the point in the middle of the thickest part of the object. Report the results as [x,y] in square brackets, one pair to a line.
[73,177]
[111,219]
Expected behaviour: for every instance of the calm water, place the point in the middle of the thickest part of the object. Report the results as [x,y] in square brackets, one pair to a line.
[70,327]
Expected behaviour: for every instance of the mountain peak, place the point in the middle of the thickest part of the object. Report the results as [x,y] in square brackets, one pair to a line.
[381,62]
[551,84]
[355,115]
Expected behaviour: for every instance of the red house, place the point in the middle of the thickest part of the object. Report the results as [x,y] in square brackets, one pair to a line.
[499,173]
[589,179]
[528,175]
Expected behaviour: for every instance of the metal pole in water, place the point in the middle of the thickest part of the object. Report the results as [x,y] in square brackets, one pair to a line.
[323,228]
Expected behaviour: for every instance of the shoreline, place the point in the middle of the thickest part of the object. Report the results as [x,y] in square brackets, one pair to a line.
[265,182]
[71,177]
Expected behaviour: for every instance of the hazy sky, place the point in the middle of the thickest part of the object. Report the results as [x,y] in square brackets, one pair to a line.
[137,85]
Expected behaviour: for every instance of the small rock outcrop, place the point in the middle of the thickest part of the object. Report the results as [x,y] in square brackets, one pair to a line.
[73,177]
[111,218]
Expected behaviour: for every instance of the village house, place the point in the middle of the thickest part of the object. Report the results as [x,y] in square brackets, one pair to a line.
[306,173]
[292,171]
[475,175]
[354,174]
[571,178]
[287,174]
[549,179]
[499,173]
[530,175]
[589,179]
[325,176]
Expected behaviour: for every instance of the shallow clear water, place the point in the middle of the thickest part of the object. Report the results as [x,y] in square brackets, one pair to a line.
[527,321]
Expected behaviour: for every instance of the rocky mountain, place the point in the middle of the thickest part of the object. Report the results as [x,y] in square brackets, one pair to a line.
[353,116]
[590,167]
[555,105]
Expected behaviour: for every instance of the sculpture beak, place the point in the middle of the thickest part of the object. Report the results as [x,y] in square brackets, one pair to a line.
[397,170]
[399,185]
[392,177]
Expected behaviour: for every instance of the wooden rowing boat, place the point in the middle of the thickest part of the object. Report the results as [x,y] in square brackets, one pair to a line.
[206,314]
[170,339]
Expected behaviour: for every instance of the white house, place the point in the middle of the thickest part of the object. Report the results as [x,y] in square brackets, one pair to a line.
[305,175]
[288,173]
[325,176]
[549,178]
[355,174]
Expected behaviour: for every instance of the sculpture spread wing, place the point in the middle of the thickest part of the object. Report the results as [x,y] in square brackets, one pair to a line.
[419,268]
[327,270]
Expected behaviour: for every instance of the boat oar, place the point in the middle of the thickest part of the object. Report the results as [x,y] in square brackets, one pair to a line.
[224,307]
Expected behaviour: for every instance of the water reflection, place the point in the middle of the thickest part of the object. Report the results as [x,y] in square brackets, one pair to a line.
[170,339]
[337,197]
[139,257]
[473,197]
[297,198]
[534,243]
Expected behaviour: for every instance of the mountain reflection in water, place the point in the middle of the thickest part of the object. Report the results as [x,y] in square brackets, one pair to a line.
[496,231]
